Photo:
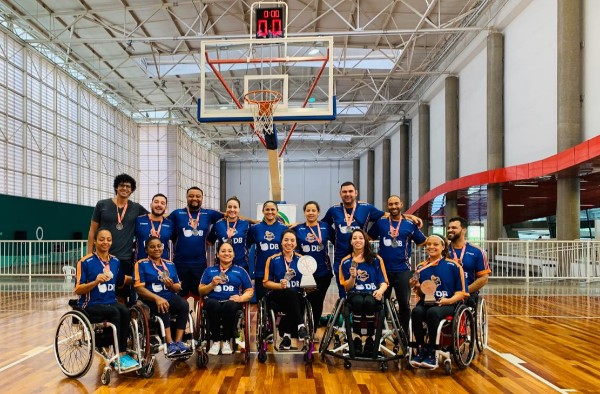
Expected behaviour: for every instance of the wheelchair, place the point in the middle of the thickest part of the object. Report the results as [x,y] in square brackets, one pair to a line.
[481,324]
[389,337]
[266,329]
[202,333]
[455,338]
[78,337]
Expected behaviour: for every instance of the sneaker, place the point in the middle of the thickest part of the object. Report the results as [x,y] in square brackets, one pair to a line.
[303,333]
[183,348]
[286,343]
[429,361]
[215,348]
[226,349]
[416,361]
[172,349]
[368,348]
[358,347]
[127,362]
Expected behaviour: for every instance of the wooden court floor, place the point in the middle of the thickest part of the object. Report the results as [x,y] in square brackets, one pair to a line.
[543,338]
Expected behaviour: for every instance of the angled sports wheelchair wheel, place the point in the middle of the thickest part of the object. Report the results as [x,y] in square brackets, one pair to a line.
[74,344]
[463,336]
[139,335]
[482,325]
[261,330]
[329,334]
[202,358]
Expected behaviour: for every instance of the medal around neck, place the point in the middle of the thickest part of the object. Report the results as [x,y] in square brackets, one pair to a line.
[164,275]
[119,226]
[108,273]
[307,265]
[224,277]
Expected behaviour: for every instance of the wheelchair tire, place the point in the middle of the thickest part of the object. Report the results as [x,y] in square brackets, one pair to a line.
[140,316]
[481,318]
[74,344]
[308,357]
[448,367]
[463,336]
[262,357]
[347,364]
[147,371]
[261,329]
[105,377]
[328,336]
[202,359]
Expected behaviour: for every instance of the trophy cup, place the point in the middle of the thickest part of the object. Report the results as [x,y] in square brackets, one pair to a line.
[307,265]
[428,288]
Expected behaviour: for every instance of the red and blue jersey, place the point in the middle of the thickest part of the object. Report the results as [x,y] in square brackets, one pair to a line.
[238,281]
[190,245]
[276,268]
[148,275]
[88,268]
[447,276]
[218,234]
[473,261]
[143,226]
[266,238]
[336,217]
[368,276]
[395,251]
[309,245]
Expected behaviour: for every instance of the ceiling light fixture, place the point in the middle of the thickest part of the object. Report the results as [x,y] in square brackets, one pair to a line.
[129,48]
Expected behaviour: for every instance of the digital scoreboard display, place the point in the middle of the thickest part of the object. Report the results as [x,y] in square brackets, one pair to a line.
[270,23]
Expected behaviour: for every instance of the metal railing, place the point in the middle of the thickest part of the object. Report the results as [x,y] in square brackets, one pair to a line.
[508,259]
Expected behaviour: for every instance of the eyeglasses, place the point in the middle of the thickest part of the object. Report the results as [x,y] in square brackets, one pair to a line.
[124,186]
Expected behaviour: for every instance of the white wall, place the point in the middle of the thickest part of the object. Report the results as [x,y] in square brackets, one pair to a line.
[530,84]
[591,66]
[304,181]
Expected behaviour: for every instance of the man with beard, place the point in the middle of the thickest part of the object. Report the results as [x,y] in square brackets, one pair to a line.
[192,225]
[395,234]
[154,224]
[472,258]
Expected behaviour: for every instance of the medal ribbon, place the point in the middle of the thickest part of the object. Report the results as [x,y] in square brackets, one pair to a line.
[349,218]
[193,222]
[105,264]
[160,271]
[120,217]
[155,232]
[231,230]
[427,265]
[455,255]
[320,237]
[395,231]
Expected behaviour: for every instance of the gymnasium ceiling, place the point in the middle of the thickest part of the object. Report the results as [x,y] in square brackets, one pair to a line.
[120,49]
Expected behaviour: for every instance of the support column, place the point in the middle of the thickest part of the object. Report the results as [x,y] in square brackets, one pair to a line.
[371,176]
[424,157]
[495,131]
[569,115]
[386,170]
[356,172]
[452,142]
[223,185]
[404,165]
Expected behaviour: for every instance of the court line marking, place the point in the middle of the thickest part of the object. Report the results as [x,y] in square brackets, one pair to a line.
[514,360]
[547,316]
[32,353]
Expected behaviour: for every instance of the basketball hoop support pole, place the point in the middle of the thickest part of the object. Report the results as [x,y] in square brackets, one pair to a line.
[310,92]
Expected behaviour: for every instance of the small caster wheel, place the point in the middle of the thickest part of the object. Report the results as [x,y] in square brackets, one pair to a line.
[347,364]
[383,367]
[202,359]
[308,357]
[147,371]
[448,367]
[262,357]
[105,378]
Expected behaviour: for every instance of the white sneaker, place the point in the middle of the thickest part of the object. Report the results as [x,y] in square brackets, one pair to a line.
[226,349]
[215,348]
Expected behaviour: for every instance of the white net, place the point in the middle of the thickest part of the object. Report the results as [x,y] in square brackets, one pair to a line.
[263,104]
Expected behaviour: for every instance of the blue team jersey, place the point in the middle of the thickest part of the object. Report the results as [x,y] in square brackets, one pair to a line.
[276,268]
[267,238]
[88,269]
[190,248]
[473,261]
[142,233]
[335,217]
[218,234]
[446,275]
[396,254]
[145,274]
[238,281]
[309,245]
[368,276]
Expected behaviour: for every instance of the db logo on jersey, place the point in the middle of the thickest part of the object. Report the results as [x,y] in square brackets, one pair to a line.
[227,288]
[104,287]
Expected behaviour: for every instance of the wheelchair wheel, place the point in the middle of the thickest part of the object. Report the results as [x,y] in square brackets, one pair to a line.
[329,334]
[261,330]
[400,340]
[482,325]
[202,359]
[139,339]
[308,320]
[463,336]
[74,344]
[105,377]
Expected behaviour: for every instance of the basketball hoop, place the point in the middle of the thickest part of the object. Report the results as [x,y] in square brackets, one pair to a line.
[263,104]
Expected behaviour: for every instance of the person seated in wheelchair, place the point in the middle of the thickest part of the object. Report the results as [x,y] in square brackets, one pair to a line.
[440,284]
[98,276]
[283,279]
[362,273]
[157,284]
[221,285]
